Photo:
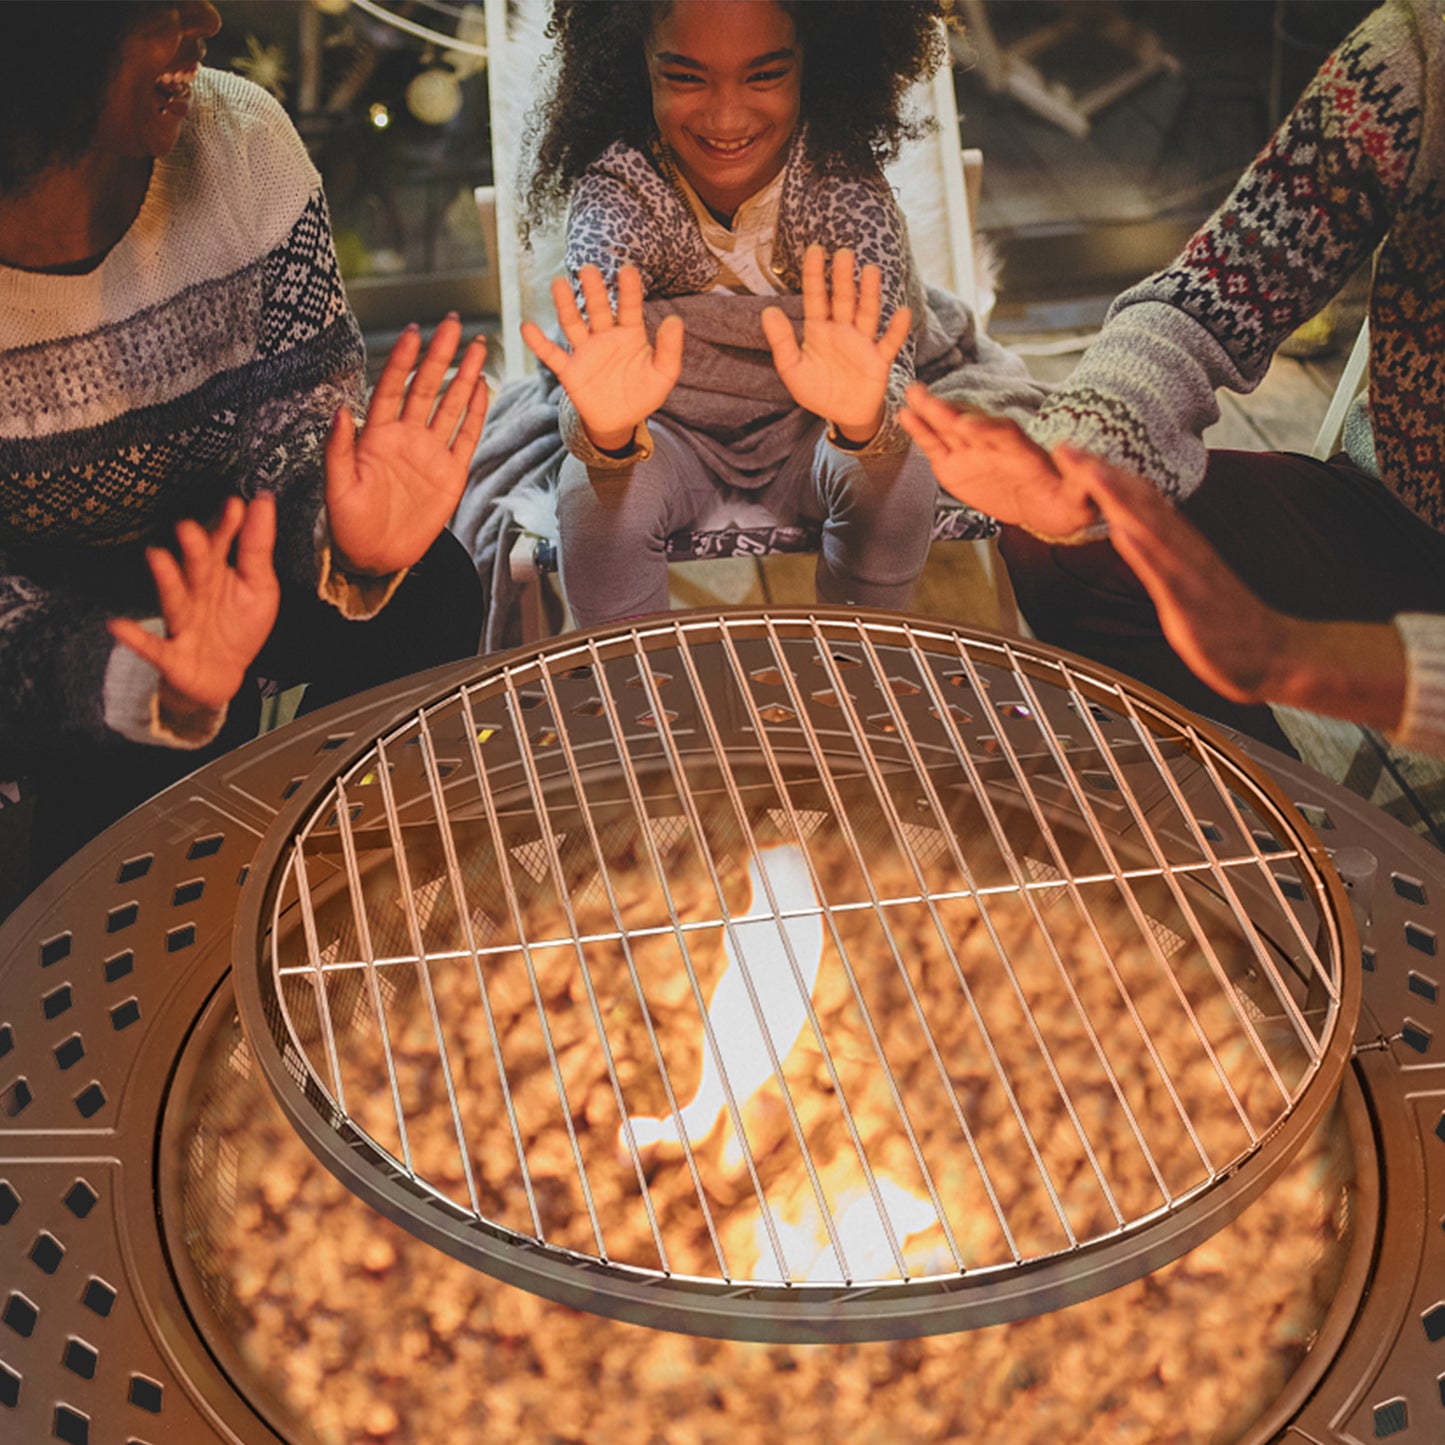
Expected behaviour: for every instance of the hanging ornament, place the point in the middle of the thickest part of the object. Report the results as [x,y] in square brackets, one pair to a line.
[265,65]
[332,7]
[471,28]
[434,96]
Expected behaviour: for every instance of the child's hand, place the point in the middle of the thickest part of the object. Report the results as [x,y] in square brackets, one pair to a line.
[614,376]
[841,370]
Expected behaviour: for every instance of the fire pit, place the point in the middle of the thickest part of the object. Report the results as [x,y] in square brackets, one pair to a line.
[767,977]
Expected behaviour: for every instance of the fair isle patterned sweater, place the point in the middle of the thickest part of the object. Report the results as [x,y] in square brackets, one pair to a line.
[1359,164]
[206,355]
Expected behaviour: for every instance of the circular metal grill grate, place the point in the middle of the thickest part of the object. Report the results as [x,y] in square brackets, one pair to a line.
[817,977]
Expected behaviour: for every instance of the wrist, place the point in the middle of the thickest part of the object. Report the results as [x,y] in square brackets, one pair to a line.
[611,440]
[1354,670]
[860,434]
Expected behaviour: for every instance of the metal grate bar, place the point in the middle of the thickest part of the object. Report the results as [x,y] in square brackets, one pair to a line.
[1226,890]
[363,935]
[1000,1073]
[313,953]
[850,1121]
[423,973]
[1030,895]
[459,895]
[685,796]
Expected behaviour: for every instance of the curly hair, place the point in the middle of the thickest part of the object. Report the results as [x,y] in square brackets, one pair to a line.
[42,123]
[859,59]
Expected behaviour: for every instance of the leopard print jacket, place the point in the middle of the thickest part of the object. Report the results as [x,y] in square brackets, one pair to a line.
[626,211]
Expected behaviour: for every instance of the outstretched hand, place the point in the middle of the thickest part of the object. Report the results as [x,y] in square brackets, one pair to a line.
[390,493]
[841,370]
[1228,637]
[217,615]
[989,464]
[615,376]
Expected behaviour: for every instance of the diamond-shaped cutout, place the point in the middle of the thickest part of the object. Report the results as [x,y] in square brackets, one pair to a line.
[902,687]
[883,722]
[592,707]
[776,712]
[767,677]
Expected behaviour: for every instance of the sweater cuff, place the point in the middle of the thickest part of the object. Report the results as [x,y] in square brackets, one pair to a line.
[355,595]
[1422,723]
[131,700]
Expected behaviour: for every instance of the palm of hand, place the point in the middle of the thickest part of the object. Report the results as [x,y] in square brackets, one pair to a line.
[612,379]
[403,485]
[839,374]
[216,633]
[389,495]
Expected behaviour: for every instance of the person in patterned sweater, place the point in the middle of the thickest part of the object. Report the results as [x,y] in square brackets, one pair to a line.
[185,503]
[1278,578]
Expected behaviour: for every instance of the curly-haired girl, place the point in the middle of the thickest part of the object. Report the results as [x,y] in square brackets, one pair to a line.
[718,158]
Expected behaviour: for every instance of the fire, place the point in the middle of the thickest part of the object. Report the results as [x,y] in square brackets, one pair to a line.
[764,944]
[758,1002]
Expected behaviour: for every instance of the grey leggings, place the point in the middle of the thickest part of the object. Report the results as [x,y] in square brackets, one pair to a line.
[613,525]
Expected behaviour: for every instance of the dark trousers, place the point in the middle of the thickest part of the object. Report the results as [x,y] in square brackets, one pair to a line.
[435,616]
[1319,540]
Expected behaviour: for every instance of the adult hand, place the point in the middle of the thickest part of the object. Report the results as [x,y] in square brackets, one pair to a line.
[389,494]
[614,375]
[989,464]
[217,615]
[1241,647]
[841,370]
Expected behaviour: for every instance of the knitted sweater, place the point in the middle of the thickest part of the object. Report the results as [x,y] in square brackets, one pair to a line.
[625,210]
[206,355]
[1358,164]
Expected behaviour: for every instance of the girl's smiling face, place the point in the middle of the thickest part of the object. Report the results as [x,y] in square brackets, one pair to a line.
[727,78]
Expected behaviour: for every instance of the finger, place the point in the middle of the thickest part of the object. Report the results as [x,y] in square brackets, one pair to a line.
[928,440]
[870,302]
[896,333]
[390,388]
[146,645]
[779,333]
[475,416]
[629,297]
[569,316]
[599,302]
[941,417]
[422,393]
[201,551]
[341,452]
[845,293]
[815,286]
[552,356]
[172,592]
[256,543]
[460,389]
[667,349]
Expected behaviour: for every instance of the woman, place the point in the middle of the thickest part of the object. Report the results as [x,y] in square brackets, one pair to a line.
[1326,580]
[179,362]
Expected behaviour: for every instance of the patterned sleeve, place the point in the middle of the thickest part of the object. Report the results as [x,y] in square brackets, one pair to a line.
[861,214]
[1300,221]
[310,362]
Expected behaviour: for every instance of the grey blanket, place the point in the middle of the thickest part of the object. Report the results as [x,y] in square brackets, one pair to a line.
[730,401]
